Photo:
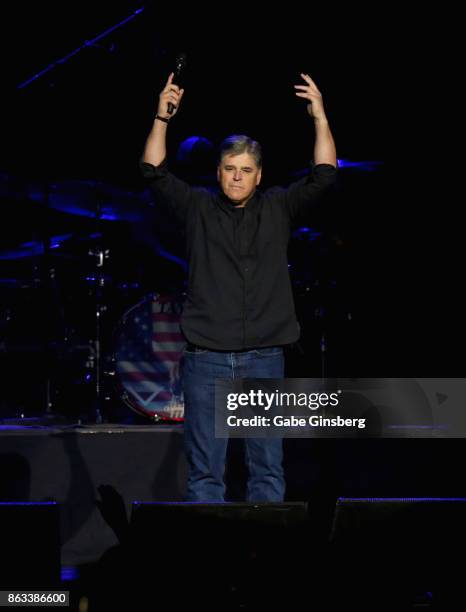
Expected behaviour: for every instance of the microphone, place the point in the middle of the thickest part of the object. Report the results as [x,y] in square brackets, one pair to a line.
[180,64]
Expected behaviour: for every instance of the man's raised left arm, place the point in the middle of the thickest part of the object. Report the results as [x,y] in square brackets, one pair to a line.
[324,147]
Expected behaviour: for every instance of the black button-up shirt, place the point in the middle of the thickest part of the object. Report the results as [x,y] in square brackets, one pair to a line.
[239,292]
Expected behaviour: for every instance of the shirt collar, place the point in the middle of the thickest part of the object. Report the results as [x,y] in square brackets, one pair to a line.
[228,205]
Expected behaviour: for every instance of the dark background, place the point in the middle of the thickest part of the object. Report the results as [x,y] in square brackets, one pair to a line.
[382,279]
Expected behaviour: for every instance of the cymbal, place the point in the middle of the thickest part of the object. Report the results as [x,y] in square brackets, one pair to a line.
[94,199]
[306,233]
[17,283]
[344,164]
[33,248]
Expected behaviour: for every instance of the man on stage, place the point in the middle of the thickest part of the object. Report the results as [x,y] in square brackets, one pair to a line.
[239,310]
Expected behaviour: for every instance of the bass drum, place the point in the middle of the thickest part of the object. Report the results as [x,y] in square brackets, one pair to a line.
[148,349]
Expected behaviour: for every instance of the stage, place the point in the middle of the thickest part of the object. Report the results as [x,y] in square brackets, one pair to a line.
[68,464]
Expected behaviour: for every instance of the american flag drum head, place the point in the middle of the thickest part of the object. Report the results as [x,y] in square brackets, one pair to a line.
[148,349]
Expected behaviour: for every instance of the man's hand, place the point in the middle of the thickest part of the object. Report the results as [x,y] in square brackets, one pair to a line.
[310,92]
[170,93]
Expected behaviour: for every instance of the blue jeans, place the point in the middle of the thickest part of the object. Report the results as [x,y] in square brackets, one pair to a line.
[205,453]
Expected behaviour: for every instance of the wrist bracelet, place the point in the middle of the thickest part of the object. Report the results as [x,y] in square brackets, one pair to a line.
[162,118]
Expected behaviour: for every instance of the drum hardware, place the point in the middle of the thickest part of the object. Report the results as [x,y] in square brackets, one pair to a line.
[101,256]
[91,198]
[46,274]
[71,353]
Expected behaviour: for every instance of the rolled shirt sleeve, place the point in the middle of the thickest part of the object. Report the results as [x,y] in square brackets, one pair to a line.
[302,195]
[169,190]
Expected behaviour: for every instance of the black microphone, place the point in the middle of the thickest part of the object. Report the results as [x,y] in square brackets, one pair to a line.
[180,64]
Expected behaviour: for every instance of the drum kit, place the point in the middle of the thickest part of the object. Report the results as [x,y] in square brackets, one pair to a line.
[79,316]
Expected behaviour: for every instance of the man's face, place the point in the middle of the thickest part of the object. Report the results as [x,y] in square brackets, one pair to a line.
[238,176]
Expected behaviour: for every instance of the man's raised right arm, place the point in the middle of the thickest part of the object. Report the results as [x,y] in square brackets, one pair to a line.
[169,191]
[155,149]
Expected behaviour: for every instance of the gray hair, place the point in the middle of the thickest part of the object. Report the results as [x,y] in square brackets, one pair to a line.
[237,144]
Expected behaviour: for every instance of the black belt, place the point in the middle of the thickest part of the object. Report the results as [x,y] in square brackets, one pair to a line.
[195,348]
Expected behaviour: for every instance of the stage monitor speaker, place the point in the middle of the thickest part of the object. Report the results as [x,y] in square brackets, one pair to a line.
[398,546]
[399,522]
[239,524]
[221,551]
[30,549]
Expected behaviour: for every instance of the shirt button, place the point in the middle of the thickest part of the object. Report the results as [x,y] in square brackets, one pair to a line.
[246,269]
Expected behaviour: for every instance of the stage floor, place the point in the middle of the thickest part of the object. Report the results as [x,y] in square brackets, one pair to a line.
[67,463]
